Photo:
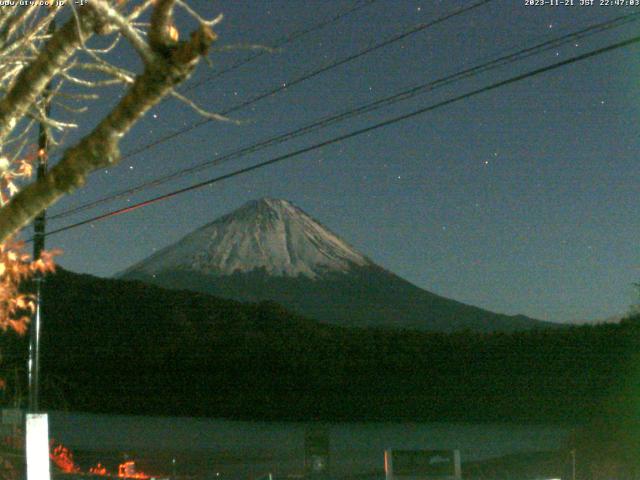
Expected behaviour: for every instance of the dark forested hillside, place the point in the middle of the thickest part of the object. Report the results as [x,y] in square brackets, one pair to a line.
[365,297]
[120,346]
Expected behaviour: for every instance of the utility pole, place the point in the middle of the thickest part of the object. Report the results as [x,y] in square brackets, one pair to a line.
[38,246]
[36,424]
[573,464]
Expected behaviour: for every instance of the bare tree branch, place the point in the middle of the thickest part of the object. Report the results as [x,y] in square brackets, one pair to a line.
[139,10]
[161,23]
[112,16]
[32,80]
[108,69]
[15,21]
[201,111]
[30,36]
[100,148]
[203,21]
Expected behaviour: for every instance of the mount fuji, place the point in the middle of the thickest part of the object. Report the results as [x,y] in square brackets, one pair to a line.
[269,249]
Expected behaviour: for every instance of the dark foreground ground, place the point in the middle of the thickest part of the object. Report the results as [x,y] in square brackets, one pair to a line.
[524,466]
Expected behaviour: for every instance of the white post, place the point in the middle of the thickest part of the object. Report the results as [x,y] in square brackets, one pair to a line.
[457,465]
[38,447]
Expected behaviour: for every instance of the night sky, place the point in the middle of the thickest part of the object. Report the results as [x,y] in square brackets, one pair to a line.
[518,200]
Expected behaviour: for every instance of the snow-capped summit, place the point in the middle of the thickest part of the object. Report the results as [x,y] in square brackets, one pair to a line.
[269,235]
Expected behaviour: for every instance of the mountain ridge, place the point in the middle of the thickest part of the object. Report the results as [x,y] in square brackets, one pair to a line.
[271,250]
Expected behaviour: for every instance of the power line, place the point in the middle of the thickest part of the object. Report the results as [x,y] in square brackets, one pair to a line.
[396,38]
[354,133]
[366,108]
[283,41]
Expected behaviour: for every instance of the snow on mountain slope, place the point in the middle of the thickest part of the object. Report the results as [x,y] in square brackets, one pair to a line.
[269,235]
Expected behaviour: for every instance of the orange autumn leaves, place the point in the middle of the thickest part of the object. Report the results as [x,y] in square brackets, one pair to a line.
[16,266]
[62,457]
